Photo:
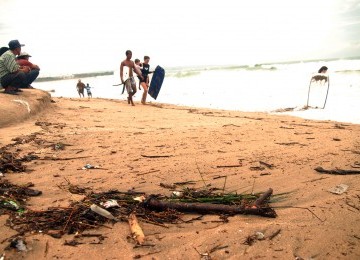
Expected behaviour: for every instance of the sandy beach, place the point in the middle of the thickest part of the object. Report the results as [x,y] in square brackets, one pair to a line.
[137,148]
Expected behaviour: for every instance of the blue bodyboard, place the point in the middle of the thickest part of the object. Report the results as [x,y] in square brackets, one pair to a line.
[156,82]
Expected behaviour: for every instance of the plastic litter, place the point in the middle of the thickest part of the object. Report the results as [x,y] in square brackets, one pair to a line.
[339,189]
[89,166]
[10,204]
[176,194]
[110,204]
[102,212]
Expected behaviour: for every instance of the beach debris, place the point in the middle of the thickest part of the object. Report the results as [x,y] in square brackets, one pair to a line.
[167,186]
[259,235]
[156,156]
[59,146]
[110,204]
[273,235]
[140,198]
[177,194]
[136,231]
[1,174]
[72,188]
[257,208]
[102,212]
[9,162]
[229,166]
[89,166]
[13,197]
[268,165]
[19,244]
[336,171]
[86,214]
[339,189]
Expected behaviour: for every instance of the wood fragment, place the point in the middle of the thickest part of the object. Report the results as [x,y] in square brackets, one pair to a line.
[136,230]
[156,156]
[229,166]
[336,171]
[270,166]
[63,159]
[46,248]
[265,196]
[277,232]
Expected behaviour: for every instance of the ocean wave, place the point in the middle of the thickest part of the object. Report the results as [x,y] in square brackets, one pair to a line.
[347,71]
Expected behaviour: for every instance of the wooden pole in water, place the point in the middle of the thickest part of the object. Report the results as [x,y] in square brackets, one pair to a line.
[307,103]
[327,92]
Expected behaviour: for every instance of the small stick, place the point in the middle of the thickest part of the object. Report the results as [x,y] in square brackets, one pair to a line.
[277,232]
[228,166]
[156,156]
[263,197]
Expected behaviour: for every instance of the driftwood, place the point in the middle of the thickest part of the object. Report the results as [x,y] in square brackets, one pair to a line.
[336,171]
[257,208]
[136,230]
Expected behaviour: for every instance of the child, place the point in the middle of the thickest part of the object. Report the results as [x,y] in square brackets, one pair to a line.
[88,90]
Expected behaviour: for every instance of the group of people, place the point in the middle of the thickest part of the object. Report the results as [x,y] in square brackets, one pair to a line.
[80,86]
[16,71]
[127,69]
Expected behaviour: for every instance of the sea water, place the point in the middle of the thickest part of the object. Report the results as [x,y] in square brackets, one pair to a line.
[273,88]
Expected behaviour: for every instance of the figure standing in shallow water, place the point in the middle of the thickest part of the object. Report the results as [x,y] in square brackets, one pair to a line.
[80,88]
[88,91]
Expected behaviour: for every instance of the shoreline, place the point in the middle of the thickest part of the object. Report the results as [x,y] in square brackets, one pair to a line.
[137,148]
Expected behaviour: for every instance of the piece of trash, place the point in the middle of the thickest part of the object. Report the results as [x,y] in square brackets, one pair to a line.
[140,198]
[109,204]
[339,189]
[59,146]
[89,166]
[1,174]
[102,212]
[12,205]
[19,244]
[259,235]
[176,194]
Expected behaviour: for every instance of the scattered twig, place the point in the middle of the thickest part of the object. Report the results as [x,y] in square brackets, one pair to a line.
[336,171]
[156,156]
[228,166]
[62,159]
[277,232]
[270,166]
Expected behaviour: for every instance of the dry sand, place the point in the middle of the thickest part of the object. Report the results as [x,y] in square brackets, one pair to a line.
[314,223]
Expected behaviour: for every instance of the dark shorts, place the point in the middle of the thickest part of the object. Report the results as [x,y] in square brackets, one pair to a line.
[143,80]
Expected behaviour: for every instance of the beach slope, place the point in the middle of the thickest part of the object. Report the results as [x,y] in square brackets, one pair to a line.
[137,148]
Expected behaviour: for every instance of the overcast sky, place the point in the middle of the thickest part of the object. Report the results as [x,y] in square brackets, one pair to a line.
[88,35]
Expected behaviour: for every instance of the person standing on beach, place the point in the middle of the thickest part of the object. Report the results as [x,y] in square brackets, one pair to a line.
[12,75]
[23,60]
[127,67]
[80,88]
[88,91]
[145,71]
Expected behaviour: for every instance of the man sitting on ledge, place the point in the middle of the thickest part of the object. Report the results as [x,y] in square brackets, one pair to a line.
[12,75]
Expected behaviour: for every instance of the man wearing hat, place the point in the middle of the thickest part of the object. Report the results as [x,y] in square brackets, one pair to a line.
[23,60]
[12,75]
